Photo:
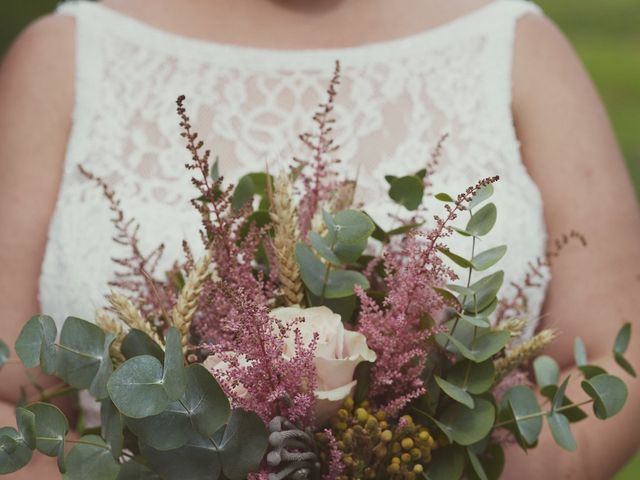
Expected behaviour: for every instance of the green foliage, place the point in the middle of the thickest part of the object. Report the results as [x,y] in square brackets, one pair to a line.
[609,394]
[620,347]
[83,359]
[51,429]
[14,451]
[482,221]
[136,343]
[4,354]
[111,427]
[519,404]
[455,392]
[447,464]
[406,191]
[35,344]
[466,426]
[91,458]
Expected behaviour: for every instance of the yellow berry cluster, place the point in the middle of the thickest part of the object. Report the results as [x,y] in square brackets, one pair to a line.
[374,448]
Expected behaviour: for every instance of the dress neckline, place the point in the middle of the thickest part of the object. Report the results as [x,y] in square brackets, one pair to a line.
[174,43]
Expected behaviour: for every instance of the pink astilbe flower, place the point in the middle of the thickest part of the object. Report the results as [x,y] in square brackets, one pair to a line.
[394,330]
[257,374]
[336,467]
[317,176]
[232,237]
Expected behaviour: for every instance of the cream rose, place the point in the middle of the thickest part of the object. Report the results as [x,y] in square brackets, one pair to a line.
[338,353]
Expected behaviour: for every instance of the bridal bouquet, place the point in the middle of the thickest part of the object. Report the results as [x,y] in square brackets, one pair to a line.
[306,343]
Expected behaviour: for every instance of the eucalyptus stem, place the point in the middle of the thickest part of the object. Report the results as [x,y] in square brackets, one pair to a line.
[327,270]
[540,414]
[59,390]
[69,440]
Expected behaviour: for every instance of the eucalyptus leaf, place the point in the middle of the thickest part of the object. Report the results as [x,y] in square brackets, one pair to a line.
[173,376]
[622,339]
[351,252]
[243,444]
[475,378]
[14,452]
[590,371]
[198,459]
[547,372]
[484,347]
[353,227]
[136,387]
[624,364]
[26,422]
[453,391]
[482,221]
[447,464]
[362,375]
[133,470]
[480,321]
[476,465]
[323,249]
[561,431]
[51,428]
[580,352]
[488,258]
[444,197]
[486,290]
[35,344]
[83,359]
[137,343]
[243,192]
[523,406]
[457,259]
[559,397]
[609,394]
[482,194]
[91,459]
[111,425]
[407,191]
[4,354]
[467,426]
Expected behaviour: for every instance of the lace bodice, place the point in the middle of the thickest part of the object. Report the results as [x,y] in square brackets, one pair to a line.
[396,100]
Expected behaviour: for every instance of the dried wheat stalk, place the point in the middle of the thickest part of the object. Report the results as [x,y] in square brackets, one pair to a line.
[523,352]
[129,314]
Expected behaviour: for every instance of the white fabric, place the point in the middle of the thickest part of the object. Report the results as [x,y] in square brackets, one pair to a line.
[395,101]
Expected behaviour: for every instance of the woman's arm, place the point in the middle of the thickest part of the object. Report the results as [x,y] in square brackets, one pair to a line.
[571,153]
[36,96]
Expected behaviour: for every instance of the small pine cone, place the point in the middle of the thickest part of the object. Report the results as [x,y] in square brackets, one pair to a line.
[286,236]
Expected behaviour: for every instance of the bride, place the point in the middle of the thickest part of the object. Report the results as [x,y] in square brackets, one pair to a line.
[95,84]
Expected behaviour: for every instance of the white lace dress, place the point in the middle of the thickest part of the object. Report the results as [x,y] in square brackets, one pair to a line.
[396,100]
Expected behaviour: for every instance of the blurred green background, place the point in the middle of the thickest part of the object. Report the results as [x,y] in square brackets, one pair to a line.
[606,34]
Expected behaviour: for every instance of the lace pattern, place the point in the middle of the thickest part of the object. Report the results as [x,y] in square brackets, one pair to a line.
[396,100]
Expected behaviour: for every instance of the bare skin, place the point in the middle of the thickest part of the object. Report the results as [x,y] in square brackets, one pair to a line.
[567,145]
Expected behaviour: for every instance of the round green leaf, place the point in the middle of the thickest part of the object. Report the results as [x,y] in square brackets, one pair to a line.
[467,426]
[198,459]
[4,354]
[488,258]
[83,359]
[243,192]
[457,259]
[624,364]
[590,371]
[622,339]
[447,464]
[14,452]
[482,221]
[455,392]
[444,197]
[561,431]
[26,421]
[137,343]
[133,470]
[547,372]
[205,400]
[484,346]
[168,430]
[485,290]
[353,227]
[482,194]
[407,191]
[91,459]
[137,389]
[479,379]
[609,394]
[323,248]
[112,426]
[243,444]
[580,352]
[35,344]
[522,403]
[174,374]
[477,467]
